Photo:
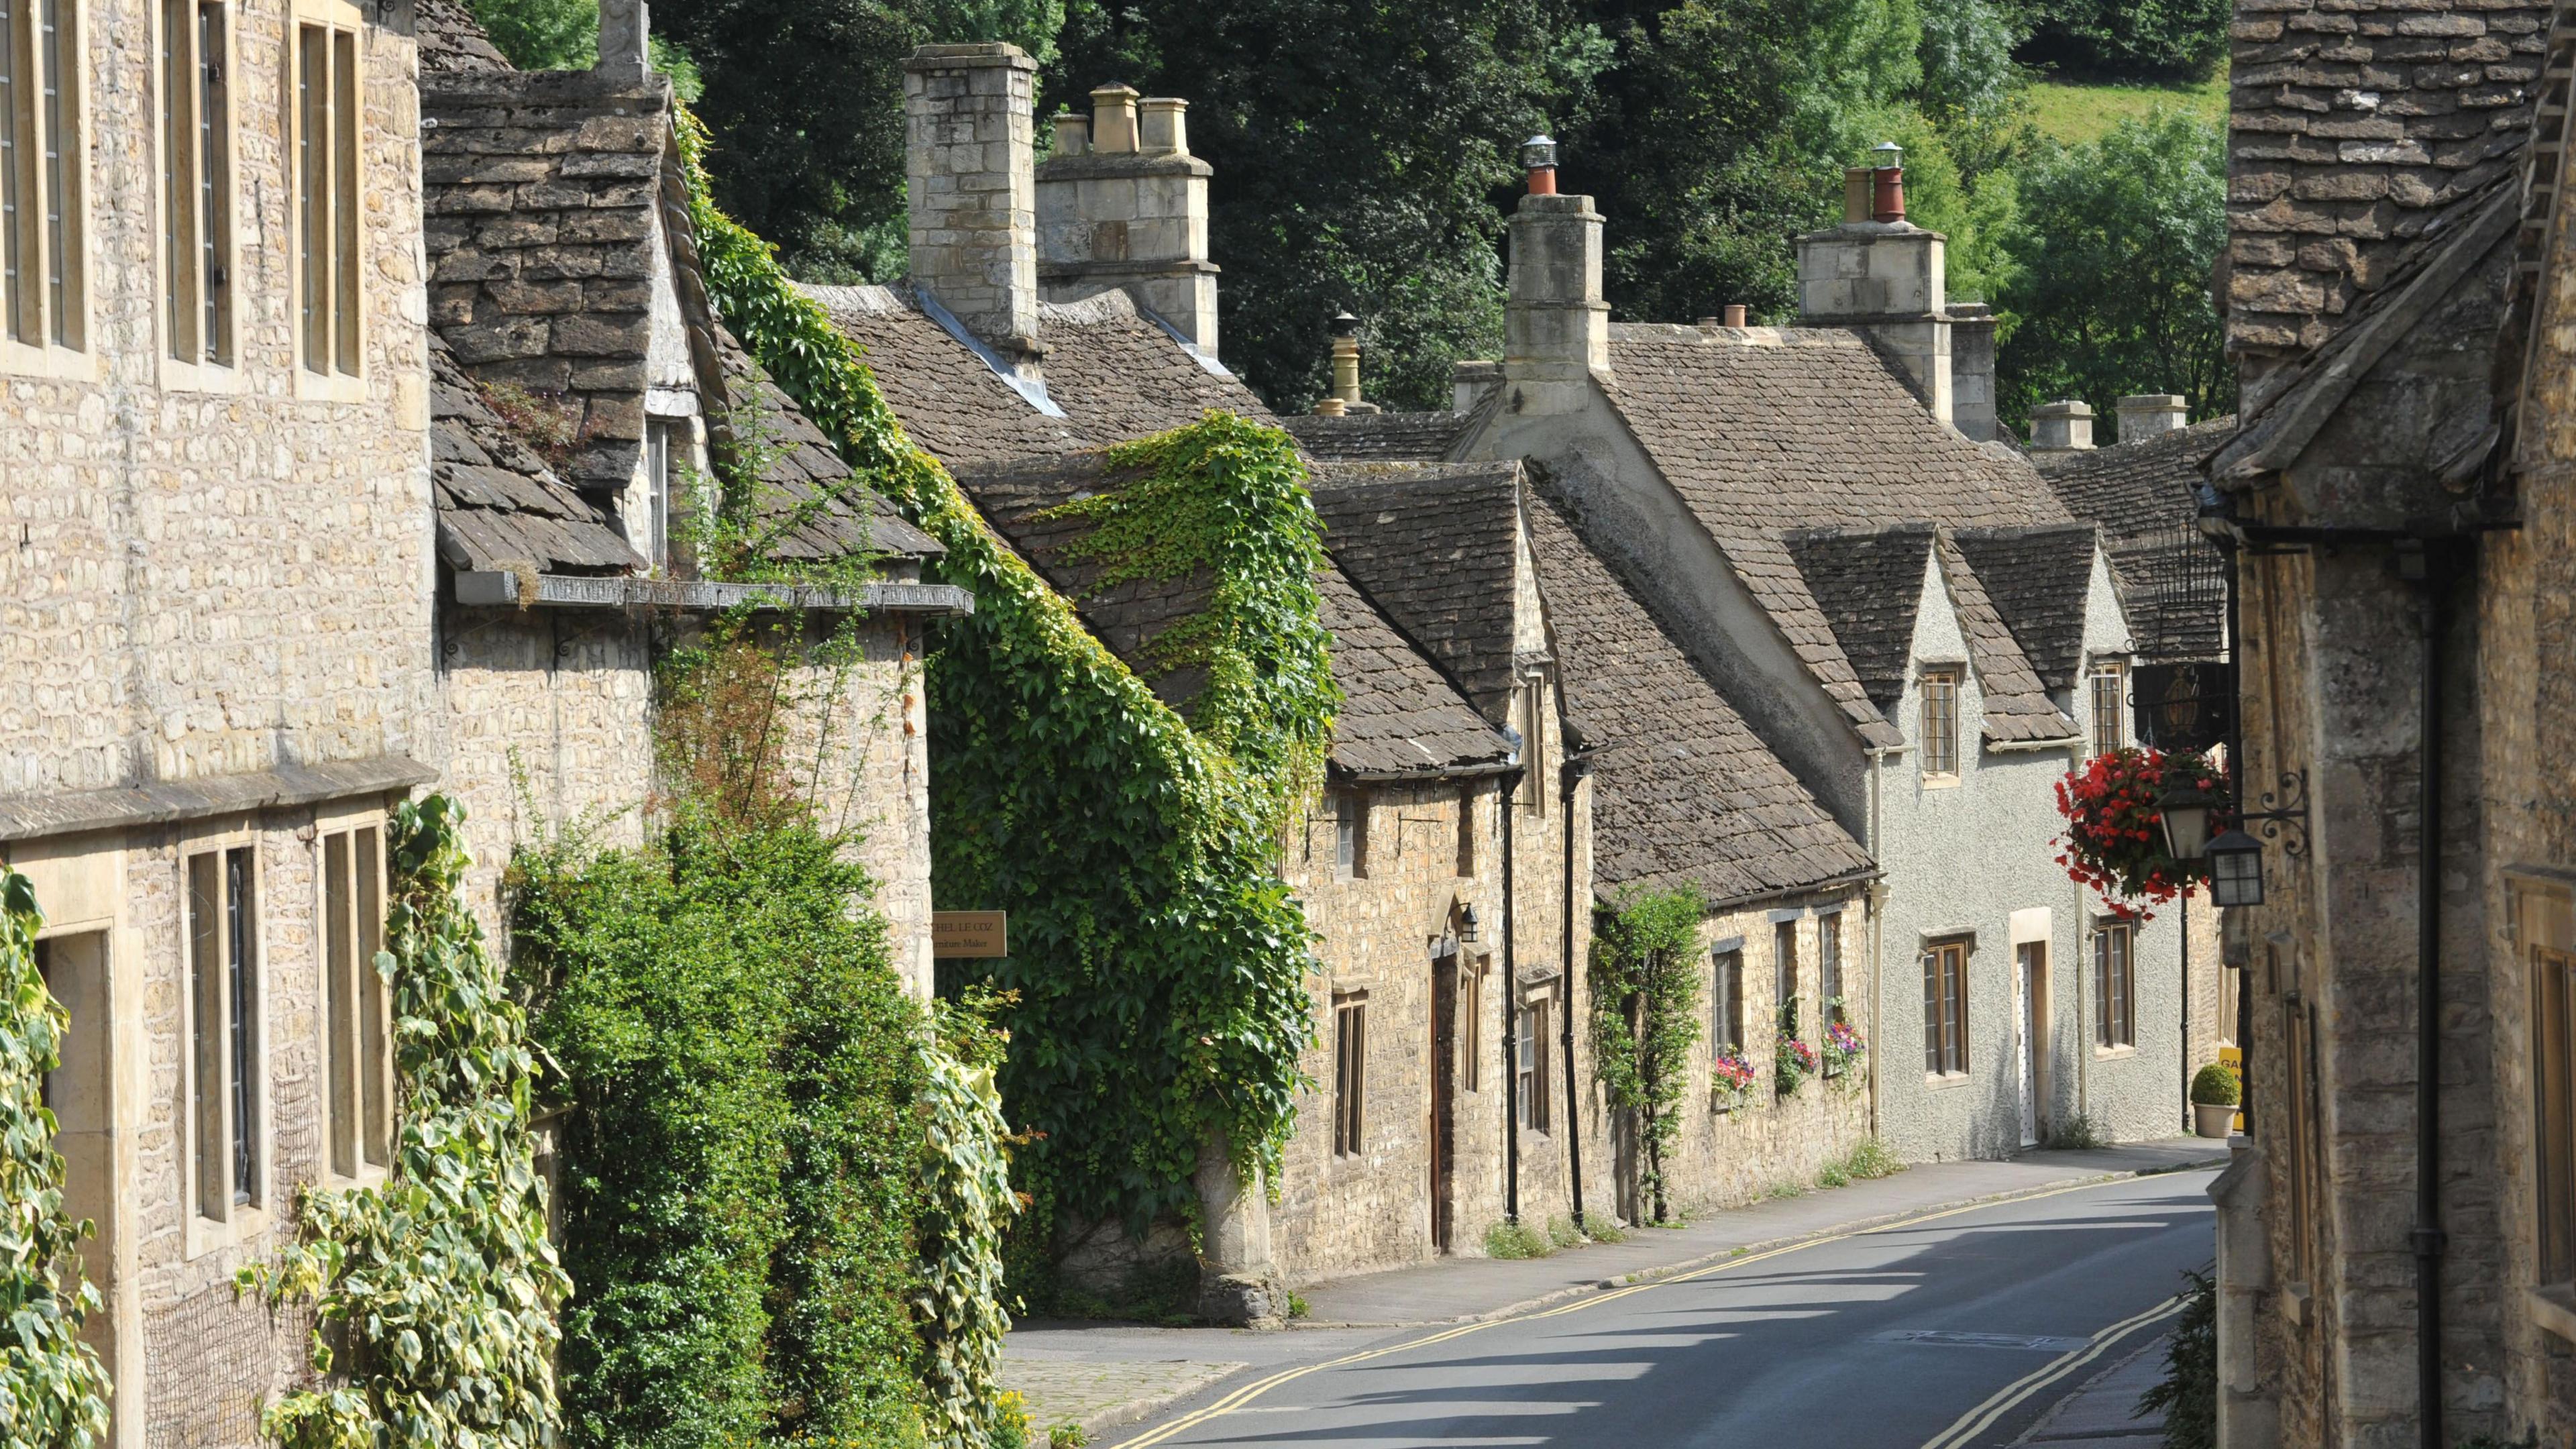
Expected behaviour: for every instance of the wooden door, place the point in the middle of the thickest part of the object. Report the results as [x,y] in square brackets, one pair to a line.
[1444,1088]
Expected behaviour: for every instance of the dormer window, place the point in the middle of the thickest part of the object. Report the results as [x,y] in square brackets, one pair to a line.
[662,437]
[2109,693]
[1940,723]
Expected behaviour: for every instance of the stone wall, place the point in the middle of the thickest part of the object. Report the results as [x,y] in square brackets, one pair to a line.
[1373,1209]
[212,571]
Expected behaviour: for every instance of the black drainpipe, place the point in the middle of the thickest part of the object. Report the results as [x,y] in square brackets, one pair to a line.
[2428,1237]
[1569,779]
[1511,789]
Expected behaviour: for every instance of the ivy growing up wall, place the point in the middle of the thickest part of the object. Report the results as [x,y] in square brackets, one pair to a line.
[1159,961]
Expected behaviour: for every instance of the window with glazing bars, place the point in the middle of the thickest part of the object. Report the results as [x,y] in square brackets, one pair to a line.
[43,262]
[1945,1007]
[196,181]
[358,1099]
[223,965]
[1350,836]
[1726,1001]
[1471,1033]
[1829,964]
[1531,1053]
[2110,690]
[1350,1073]
[2115,1016]
[327,108]
[1784,963]
[1941,722]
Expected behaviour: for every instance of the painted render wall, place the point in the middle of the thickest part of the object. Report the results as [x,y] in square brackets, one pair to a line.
[1976,858]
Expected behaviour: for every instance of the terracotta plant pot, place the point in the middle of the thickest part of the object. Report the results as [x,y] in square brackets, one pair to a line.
[2212,1121]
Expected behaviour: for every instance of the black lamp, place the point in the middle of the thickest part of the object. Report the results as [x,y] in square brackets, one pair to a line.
[1467,924]
[2235,869]
[2184,812]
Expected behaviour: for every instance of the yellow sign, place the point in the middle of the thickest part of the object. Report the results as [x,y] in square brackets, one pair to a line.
[970,933]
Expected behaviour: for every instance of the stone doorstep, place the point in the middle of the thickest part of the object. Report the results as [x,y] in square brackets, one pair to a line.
[1703,1260]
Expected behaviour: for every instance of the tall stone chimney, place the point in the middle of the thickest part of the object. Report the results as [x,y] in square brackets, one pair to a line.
[1972,370]
[1556,325]
[969,158]
[2064,426]
[2146,414]
[1881,274]
[625,53]
[1123,204]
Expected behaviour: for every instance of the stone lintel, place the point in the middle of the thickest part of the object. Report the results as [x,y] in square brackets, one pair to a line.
[35,817]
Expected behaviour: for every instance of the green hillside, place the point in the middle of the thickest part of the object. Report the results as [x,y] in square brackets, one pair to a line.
[2073,112]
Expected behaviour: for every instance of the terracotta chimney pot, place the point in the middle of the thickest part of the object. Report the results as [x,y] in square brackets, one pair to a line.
[1734,314]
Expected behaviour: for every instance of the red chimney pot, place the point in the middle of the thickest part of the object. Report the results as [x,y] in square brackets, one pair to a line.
[1889,202]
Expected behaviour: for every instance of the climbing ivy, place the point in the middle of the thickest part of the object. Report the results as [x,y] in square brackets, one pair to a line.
[1645,1015]
[53,1393]
[964,1175]
[439,1283]
[1159,962]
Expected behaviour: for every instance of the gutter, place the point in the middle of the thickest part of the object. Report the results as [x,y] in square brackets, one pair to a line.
[506,589]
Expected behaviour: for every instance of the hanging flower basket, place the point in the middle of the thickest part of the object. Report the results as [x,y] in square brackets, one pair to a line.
[2114,843]
[1730,1079]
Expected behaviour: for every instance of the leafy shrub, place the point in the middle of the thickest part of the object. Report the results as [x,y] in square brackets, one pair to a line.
[1869,1159]
[1602,1230]
[2188,1393]
[53,1391]
[742,1073]
[2141,39]
[439,1282]
[2216,1085]
[1516,1240]
[1562,1232]
[2078,1133]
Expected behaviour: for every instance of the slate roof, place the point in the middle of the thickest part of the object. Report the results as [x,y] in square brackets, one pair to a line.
[1684,793]
[1763,431]
[1119,375]
[1438,548]
[1399,716]
[1869,582]
[2018,708]
[450,39]
[541,189]
[1378,437]
[2172,579]
[2039,579]
[500,508]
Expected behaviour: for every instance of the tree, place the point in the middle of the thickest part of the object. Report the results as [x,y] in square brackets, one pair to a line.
[2141,39]
[1360,151]
[2111,260]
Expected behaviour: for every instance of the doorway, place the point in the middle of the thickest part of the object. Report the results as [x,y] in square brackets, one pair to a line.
[1444,1089]
[2030,1023]
[78,1091]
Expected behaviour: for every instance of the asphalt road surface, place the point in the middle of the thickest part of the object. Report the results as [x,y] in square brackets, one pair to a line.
[1955,1330]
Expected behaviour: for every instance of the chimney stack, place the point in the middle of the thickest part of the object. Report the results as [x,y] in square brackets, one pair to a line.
[2064,426]
[1972,370]
[1880,274]
[1556,326]
[1346,366]
[1469,379]
[969,150]
[1122,204]
[2145,415]
[625,52]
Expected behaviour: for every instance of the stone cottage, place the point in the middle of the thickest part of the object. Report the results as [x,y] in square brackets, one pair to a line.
[1053,311]
[214,475]
[588,405]
[2395,1261]
[1910,621]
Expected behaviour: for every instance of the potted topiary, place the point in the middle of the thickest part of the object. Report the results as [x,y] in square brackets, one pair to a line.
[2215,1091]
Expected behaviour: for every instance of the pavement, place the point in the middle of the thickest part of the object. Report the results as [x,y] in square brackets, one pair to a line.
[1105,1375]
[2104,1413]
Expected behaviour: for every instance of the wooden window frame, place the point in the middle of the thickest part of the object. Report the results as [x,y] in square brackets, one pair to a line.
[46,325]
[1945,1007]
[1466,863]
[2107,728]
[2115,987]
[356,1015]
[1350,835]
[219,1210]
[1939,723]
[340,333]
[1784,963]
[1726,998]
[1350,1073]
[1471,1018]
[197,254]
[1530,1027]
[2543,915]
[1829,965]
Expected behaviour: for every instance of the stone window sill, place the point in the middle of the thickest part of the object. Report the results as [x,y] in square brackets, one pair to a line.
[1941,782]
[2553,1308]
[2112,1054]
[1946,1081]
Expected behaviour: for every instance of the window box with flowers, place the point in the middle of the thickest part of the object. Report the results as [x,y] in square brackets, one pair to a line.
[1792,1060]
[1842,1052]
[2114,843]
[1730,1080]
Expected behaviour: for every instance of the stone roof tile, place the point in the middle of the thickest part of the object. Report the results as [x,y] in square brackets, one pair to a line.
[2039,579]
[499,507]
[1684,792]
[1379,437]
[1438,548]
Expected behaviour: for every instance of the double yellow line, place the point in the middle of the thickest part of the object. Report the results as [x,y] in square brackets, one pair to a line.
[1981,1418]
[1251,1391]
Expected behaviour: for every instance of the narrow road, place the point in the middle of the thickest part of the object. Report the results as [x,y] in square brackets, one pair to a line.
[1953,1331]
